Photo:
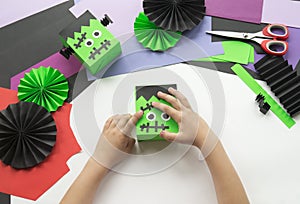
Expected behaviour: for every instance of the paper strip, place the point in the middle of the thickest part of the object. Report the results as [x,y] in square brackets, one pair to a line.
[257,89]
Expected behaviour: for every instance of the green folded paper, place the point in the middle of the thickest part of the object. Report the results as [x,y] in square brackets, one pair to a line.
[153,37]
[46,87]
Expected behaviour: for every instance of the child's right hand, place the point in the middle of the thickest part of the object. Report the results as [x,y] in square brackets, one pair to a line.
[192,128]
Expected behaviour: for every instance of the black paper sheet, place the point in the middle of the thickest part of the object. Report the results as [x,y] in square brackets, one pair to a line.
[4,198]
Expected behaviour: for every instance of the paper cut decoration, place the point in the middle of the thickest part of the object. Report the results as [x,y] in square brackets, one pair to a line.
[91,42]
[153,37]
[175,15]
[46,87]
[32,183]
[257,89]
[27,135]
[67,68]
[153,120]
[241,10]
[283,81]
[264,107]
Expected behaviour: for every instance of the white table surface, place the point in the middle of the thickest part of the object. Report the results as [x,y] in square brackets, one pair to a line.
[263,150]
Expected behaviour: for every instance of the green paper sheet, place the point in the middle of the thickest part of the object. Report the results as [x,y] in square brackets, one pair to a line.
[257,89]
[234,51]
[251,55]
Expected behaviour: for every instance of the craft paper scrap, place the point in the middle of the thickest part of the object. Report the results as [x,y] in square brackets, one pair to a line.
[257,57]
[241,10]
[15,10]
[234,51]
[32,183]
[281,11]
[193,45]
[257,89]
[251,55]
[57,61]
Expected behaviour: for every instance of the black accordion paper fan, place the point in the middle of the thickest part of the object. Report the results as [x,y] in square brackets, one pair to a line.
[175,15]
[27,135]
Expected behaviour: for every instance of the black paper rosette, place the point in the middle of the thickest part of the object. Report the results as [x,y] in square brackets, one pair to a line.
[27,135]
[175,15]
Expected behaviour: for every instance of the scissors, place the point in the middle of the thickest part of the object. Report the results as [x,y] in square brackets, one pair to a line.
[267,38]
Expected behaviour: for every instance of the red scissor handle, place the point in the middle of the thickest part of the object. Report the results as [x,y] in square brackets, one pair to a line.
[269,47]
[269,31]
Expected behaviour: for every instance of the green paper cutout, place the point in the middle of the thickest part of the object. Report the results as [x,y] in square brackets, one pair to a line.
[46,87]
[210,59]
[153,37]
[234,51]
[152,134]
[104,47]
[257,89]
[251,56]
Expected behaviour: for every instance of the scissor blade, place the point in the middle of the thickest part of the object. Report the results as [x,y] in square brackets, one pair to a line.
[229,34]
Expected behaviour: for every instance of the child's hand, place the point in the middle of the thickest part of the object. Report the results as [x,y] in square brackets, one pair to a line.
[115,142]
[192,128]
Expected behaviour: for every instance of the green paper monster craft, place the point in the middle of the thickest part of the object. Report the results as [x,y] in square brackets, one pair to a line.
[89,40]
[153,120]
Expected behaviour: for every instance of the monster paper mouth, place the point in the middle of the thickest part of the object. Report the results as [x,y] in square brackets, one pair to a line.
[156,127]
[97,51]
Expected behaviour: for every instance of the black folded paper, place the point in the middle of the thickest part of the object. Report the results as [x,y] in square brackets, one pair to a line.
[175,15]
[27,135]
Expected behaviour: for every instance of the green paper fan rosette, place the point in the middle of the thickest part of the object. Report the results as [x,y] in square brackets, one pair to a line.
[153,37]
[46,87]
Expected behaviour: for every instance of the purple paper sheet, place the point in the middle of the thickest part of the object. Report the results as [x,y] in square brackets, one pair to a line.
[66,67]
[293,54]
[241,10]
[194,44]
[281,11]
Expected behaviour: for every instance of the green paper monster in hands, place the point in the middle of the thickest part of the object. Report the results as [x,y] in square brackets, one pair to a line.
[153,120]
[89,40]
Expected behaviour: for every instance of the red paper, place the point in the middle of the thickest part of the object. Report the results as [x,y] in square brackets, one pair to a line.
[32,183]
